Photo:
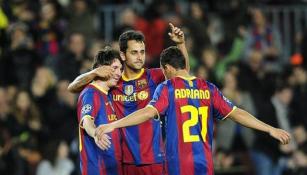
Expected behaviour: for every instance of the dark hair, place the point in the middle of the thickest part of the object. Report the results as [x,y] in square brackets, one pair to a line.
[127,36]
[172,56]
[105,57]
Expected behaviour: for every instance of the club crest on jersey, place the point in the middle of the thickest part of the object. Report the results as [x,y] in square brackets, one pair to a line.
[86,108]
[143,95]
[141,83]
[128,90]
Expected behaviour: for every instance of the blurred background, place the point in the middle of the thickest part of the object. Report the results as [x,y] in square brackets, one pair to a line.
[255,51]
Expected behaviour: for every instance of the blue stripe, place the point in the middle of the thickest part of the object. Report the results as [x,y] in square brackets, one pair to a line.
[132,132]
[92,158]
[109,161]
[172,135]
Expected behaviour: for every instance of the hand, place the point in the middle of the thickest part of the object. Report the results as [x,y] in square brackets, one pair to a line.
[176,34]
[104,72]
[101,138]
[281,135]
[103,142]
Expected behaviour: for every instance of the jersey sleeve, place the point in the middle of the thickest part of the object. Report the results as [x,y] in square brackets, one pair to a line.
[221,105]
[160,99]
[89,106]
[157,75]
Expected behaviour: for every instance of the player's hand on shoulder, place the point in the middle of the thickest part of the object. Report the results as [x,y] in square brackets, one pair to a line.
[281,135]
[176,34]
[104,72]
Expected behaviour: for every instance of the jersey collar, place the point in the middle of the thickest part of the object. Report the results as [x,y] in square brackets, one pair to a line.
[187,78]
[136,77]
[99,88]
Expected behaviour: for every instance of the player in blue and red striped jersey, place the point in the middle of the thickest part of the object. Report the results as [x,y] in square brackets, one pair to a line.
[95,108]
[190,105]
[142,144]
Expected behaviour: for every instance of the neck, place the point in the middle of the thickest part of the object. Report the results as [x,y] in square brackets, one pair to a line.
[131,73]
[182,73]
[102,84]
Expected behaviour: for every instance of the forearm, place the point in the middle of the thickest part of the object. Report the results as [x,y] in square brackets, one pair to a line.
[135,118]
[82,80]
[246,119]
[89,126]
[184,51]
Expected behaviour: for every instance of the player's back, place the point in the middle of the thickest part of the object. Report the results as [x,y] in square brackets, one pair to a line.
[192,104]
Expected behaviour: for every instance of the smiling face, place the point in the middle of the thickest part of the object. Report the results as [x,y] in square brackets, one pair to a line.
[117,66]
[134,57]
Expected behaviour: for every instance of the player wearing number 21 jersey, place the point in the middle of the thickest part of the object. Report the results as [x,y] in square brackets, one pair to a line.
[190,105]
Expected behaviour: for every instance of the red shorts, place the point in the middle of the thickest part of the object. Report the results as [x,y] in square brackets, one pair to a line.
[150,169]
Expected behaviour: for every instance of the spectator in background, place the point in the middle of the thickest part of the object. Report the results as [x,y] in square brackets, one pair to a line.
[55,159]
[62,107]
[81,20]
[267,154]
[127,21]
[209,58]
[21,59]
[153,27]
[26,114]
[49,31]
[197,24]
[297,164]
[69,62]
[264,38]
[299,103]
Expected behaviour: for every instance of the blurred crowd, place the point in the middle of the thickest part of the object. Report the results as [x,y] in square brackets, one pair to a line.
[45,44]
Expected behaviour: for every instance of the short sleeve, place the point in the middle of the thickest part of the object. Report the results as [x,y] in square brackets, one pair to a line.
[89,105]
[221,105]
[157,75]
[160,99]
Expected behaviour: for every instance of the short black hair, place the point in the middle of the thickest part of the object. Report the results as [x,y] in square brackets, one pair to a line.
[172,56]
[127,36]
[105,57]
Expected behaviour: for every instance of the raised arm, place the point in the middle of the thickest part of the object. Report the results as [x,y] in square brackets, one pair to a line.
[177,36]
[246,119]
[82,80]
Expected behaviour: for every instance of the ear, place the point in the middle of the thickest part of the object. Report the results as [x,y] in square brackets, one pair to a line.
[122,56]
[168,67]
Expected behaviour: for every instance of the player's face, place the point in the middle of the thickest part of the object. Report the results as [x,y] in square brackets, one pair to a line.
[135,55]
[117,66]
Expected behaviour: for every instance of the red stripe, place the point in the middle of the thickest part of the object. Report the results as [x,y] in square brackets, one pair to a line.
[83,154]
[185,152]
[146,129]
[102,168]
[208,154]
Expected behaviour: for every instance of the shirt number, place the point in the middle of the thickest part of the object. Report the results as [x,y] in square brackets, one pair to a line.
[195,112]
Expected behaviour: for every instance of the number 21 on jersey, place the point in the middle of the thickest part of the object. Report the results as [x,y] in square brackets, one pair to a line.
[193,121]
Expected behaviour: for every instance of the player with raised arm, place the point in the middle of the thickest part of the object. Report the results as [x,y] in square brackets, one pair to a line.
[190,106]
[143,151]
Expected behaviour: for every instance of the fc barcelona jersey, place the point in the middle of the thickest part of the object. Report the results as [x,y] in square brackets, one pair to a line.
[142,144]
[190,107]
[93,102]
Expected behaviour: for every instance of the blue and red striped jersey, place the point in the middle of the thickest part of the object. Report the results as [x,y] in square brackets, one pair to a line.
[190,107]
[93,102]
[142,144]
